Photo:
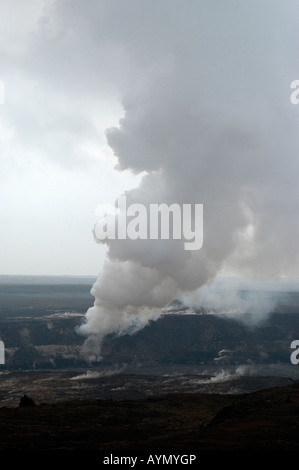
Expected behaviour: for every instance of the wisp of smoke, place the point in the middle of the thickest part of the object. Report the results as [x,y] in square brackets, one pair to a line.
[209,122]
[224,375]
[92,374]
[250,307]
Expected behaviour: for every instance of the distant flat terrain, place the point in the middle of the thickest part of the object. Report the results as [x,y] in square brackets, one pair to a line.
[47,386]
[67,295]
[39,321]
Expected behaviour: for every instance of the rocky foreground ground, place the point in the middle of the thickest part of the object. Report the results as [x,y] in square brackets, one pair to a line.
[182,422]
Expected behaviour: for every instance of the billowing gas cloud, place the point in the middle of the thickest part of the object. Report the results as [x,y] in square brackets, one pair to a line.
[208,121]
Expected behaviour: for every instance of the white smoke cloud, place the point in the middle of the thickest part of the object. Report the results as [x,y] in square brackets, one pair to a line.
[224,375]
[207,120]
[249,307]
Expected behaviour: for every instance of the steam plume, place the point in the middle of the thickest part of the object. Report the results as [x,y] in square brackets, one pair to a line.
[209,121]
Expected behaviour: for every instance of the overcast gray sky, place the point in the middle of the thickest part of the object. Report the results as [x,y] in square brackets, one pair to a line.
[62,90]
[203,91]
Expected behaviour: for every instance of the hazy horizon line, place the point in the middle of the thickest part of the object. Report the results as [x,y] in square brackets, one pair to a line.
[221,281]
